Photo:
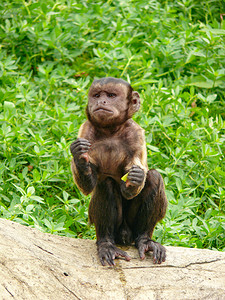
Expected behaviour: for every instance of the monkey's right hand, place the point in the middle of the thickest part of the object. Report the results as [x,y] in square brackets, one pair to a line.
[79,149]
[107,252]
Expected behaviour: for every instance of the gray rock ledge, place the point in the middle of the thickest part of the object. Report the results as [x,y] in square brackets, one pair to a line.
[36,265]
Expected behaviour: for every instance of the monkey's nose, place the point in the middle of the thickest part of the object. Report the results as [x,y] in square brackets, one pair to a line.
[102,101]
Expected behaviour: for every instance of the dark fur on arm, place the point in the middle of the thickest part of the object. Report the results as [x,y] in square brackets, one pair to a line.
[84,172]
[85,177]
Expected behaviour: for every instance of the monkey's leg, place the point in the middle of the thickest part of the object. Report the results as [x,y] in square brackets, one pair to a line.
[105,212]
[151,206]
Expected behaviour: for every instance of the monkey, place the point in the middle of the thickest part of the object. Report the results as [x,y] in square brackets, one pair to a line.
[111,144]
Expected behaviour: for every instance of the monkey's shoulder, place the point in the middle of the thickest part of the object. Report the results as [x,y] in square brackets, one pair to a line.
[132,129]
[87,131]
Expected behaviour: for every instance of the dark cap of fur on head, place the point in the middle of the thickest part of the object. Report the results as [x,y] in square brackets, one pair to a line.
[106,80]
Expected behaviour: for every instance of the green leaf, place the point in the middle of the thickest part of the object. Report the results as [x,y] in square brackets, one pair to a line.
[144,82]
[203,84]
[37,198]
[30,191]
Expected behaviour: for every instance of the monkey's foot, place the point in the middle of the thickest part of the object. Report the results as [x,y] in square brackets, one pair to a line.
[145,244]
[107,252]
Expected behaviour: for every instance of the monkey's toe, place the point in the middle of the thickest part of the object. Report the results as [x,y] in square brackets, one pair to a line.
[159,251]
[107,253]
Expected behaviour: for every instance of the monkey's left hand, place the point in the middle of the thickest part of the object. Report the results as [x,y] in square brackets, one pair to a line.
[136,176]
[135,179]
[145,244]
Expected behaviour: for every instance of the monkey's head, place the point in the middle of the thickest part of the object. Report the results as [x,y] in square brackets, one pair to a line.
[111,102]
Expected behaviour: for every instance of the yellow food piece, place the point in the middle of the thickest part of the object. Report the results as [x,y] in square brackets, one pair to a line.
[124,178]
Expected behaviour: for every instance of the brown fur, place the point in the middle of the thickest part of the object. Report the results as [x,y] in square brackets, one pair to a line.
[122,212]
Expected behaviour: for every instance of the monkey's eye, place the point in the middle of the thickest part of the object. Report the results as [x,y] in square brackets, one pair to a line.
[111,95]
[97,95]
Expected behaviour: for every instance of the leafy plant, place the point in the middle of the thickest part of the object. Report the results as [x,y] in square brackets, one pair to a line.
[171,52]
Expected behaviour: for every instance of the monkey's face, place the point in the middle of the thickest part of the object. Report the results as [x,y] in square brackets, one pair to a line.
[108,104]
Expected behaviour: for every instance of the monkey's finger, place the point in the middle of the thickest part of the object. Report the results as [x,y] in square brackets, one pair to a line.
[164,256]
[79,149]
[139,173]
[123,254]
[135,177]
[102,261]
[141,251]
[136,169]
[110,260]
[160,257]
[127,258]
[80,142]
[156,253]
[106,258]
[85,157]
[77,152]
[81,146]
[128,183]
[135,181]
[83,151]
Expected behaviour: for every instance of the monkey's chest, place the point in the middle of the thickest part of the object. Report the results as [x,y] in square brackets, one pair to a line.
[110,157]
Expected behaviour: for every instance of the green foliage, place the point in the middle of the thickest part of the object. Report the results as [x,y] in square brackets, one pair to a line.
[173,53]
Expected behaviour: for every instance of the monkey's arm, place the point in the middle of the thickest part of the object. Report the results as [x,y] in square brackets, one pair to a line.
[84,172]
[137,169]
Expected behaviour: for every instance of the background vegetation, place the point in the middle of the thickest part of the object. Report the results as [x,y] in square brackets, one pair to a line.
[172,52]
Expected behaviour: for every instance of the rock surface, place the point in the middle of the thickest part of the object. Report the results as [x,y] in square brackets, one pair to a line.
[36,265]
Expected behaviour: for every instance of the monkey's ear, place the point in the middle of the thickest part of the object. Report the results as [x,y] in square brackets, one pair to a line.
[135,102]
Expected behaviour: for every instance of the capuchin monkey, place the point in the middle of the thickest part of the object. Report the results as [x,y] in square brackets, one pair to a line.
[110,145]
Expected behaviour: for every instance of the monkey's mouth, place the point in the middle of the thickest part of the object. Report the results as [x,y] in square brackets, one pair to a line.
[102,109]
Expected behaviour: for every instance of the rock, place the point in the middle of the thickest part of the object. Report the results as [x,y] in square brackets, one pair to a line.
[36,265]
